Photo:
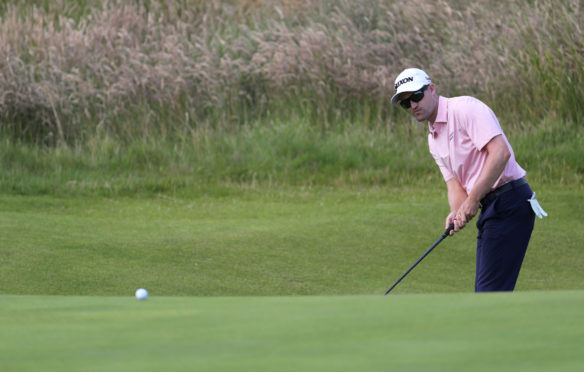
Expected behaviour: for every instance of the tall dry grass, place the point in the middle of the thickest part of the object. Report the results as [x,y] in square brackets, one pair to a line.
[70,71]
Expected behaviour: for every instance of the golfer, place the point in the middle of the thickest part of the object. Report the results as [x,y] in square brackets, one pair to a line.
[480,171]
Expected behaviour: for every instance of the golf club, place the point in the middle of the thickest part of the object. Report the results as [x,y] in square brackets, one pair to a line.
[446,233]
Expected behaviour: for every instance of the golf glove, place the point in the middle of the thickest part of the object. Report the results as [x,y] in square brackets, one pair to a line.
[539,212]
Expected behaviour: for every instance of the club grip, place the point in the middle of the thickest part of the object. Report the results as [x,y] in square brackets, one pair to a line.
[448,230]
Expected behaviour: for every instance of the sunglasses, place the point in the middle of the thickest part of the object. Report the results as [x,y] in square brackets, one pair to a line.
[416,97]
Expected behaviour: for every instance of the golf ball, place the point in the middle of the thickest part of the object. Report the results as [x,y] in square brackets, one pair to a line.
[141,294]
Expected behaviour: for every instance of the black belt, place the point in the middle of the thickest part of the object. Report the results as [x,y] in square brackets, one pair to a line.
[501,190]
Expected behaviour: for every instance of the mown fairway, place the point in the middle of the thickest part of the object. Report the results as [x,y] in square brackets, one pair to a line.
[528,331]
[206,259]
[288,241]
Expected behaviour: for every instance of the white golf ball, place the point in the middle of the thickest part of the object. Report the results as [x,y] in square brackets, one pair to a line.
[141,294]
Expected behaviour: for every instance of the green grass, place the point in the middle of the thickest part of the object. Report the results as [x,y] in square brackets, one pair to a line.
[529,331]
[276,155]
[267,202]
[265,241]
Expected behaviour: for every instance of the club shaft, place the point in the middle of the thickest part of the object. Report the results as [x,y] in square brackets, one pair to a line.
[446,233]
[414,265]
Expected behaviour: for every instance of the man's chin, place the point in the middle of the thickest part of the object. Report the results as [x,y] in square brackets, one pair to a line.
[420,117]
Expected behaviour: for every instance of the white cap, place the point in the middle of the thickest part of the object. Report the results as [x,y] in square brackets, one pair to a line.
[410,80]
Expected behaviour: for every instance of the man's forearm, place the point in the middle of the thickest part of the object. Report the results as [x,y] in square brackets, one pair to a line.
[456,194]
[497,158]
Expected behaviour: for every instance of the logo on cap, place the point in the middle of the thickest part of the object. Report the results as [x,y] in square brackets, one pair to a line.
[403,81]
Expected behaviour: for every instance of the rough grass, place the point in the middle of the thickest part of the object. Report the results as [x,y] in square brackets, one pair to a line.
[280,154]
[70,71]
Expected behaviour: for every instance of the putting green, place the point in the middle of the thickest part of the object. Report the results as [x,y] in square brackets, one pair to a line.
[521,331]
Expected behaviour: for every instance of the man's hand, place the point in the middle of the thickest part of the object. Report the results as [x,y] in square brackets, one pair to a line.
[450,221]
[465,213]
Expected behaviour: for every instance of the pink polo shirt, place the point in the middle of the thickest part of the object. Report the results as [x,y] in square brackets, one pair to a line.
[463,126]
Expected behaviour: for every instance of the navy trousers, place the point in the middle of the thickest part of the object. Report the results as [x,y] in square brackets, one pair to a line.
[505,227]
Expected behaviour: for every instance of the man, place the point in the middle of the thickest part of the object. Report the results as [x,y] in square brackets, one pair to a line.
[480,171]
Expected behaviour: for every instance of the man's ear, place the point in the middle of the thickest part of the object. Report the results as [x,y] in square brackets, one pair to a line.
[432,88]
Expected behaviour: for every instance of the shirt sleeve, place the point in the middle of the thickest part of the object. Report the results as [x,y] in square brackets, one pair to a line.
[480,122]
